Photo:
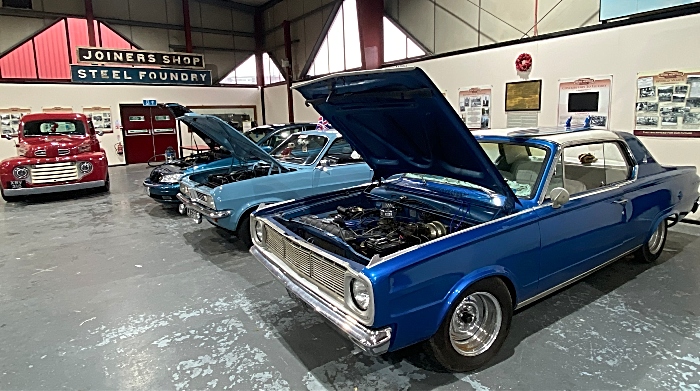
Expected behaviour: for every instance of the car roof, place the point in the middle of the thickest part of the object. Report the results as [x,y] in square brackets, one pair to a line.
[559,136]
[54,116]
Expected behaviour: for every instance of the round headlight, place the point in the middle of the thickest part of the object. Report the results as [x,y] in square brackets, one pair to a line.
[85,167]
[259,231]
[171,178]
[360,294]
[20,172]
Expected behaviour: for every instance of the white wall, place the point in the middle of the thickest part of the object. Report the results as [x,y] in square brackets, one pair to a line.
[38,96]
[622,52]
[276,105]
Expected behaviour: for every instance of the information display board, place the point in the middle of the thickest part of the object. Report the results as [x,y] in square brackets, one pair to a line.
[475,107]
[10,119]
[585,97]
[101,118]
[668,104]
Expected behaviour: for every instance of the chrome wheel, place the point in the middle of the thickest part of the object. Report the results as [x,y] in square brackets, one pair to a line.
[656,240]
[475,324]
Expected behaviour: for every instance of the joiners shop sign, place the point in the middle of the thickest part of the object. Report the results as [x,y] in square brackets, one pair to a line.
[139,75]
[140,57]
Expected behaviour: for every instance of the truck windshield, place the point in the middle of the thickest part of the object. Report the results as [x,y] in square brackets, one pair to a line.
[300,148]
[51,128]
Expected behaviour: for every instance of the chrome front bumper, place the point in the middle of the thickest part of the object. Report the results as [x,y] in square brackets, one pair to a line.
[373,342]
[201,209]
[53,189]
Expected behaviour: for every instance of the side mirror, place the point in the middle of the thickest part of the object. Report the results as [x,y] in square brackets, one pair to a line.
[99,133]
[267,148]
[559,196]
[324,163]
[7,136]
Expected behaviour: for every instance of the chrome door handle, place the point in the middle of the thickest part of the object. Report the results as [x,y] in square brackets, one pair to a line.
[620,202]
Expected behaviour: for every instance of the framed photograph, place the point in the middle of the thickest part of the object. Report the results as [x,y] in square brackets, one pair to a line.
[524,96]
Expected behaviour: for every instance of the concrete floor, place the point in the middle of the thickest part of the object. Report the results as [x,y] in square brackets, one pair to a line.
[115,292]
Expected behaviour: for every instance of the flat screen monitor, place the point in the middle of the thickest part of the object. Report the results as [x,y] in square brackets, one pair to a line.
[582,102]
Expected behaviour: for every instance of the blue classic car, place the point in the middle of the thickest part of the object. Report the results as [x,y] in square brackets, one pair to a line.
[163,182]
[458,231]
[306,163]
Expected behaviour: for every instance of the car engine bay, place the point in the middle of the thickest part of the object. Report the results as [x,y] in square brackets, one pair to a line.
[259,169]
[381,229]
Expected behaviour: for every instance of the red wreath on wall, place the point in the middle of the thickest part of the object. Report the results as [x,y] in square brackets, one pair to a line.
[523,63]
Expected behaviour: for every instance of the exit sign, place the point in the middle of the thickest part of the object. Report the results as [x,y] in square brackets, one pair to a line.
[150,102]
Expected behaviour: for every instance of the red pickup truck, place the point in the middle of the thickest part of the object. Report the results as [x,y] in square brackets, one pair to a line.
[56,152]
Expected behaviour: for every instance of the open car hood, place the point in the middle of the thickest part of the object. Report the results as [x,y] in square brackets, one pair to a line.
[178,111]
[228,137]
[400,122]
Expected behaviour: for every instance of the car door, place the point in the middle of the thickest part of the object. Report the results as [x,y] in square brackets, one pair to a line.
[591,228]
[340,167]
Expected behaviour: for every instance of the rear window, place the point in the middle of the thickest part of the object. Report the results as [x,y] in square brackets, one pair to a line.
[48,128]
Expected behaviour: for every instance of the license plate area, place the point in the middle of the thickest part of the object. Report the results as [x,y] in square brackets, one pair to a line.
[16,184]
[194,215]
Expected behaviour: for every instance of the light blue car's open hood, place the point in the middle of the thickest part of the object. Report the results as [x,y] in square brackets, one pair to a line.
[400,122]
[228,137]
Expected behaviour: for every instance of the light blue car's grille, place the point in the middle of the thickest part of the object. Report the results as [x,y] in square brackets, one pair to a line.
[323,272]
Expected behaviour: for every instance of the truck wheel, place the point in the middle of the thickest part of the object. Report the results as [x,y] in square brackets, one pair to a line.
[243,231]
[474,328]
[105,188]
[10,198]
[652,248]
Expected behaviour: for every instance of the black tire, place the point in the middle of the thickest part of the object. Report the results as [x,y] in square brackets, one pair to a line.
[441,345]
[107,185]
[10,198]
[652,248]
[243,231]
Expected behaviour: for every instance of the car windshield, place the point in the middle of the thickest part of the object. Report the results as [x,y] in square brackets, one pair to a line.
[51,128]
[520,165]
[257,134]
[300,149]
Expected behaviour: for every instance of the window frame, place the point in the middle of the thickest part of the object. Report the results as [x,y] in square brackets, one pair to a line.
[543,176]
[632,164]
[325,154]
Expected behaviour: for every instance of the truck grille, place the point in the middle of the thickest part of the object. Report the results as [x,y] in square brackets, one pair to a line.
[325,273]
[54,172]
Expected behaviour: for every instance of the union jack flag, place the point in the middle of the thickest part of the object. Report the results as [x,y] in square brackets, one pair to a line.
[322,124]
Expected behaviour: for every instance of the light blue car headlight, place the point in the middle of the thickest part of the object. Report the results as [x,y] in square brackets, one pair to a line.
[171,178]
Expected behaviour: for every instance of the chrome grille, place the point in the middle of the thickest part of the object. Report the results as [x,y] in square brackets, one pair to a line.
[63,152]
[324,272]
[53,172]
[40,152]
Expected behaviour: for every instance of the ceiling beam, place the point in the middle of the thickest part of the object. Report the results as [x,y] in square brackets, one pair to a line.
[249,9]
[269,4]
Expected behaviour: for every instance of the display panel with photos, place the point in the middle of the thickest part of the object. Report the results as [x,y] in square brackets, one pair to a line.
[668,104]
[10,120]
[582,98]
[524,95]
[475,107]
[101,118]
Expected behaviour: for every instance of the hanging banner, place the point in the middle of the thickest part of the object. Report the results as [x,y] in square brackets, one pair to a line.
[585,97]
[88,55]
[668,104]
[129,75]
[475,107]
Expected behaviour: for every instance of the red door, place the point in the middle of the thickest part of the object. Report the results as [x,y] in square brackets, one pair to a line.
[148,132]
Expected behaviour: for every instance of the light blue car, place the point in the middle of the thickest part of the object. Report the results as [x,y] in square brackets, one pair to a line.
[305,164]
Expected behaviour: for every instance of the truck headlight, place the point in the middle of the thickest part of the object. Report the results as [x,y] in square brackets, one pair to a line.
[184,189]
[360,294]
[171,178]
[259,231]
[20,172]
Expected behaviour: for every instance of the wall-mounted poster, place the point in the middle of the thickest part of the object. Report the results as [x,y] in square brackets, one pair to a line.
[524,95]
[668,104]
[585,97]
[475,107]
[101,118]
[10,119]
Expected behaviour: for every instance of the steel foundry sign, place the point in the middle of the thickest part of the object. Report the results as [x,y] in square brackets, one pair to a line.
[133,75]
[140,57]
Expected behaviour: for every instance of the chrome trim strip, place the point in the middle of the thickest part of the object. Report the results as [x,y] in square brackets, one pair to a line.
[53,189]
[203,210]
[572,280]
[373,342]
